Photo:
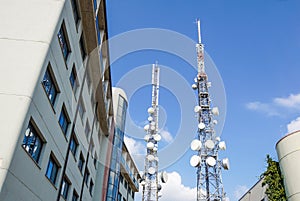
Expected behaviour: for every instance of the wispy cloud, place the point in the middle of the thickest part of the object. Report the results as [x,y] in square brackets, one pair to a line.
[166,135]
[277,106]
[134,147]
[294,125]
[239,191]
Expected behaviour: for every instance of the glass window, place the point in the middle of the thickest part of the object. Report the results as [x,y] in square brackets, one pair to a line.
[75,196]
[86,177]
[91,187]
[87,129]
[52,170]
[81,109]
[32,142]
[119,197]
[64,121]
[95,160]
[121,178]
[82,47]
[49,86]
[75,11]
[73,79]
[73,144]
[65,188]
[63,41]
[81,162]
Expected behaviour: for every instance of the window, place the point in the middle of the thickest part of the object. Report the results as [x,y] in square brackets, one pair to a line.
[87,129]
[91,187]
[119,197]
[82,47]
[121,178]
[65,188]
[32,142]
[88,80]
[81,162]
[81,109]
[49,85]
[91,147]
[52,169]
[64,120]
[75,11]
[125,185]
[63,41]
[132,194]
[73,79]
[73,144]
[95,160]
[86,176]
[75,196]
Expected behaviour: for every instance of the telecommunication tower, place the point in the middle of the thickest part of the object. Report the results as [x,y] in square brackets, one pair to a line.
[151,178]
[207,144]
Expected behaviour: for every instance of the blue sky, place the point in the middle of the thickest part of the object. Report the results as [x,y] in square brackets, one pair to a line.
[255,46]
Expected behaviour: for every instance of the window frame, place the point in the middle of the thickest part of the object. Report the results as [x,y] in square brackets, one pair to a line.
[63,40]
[53,85]
[75,11]
[65,187]
[75,82]
[81,159]
[75,196]
[66,120]
[82,47]
[54,164]
[75,143]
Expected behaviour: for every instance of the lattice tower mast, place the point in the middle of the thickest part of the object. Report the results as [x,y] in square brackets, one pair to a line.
[207,144]
[151,186]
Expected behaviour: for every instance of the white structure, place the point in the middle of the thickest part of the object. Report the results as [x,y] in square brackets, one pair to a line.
[207,145]
[256,192]
[55,100]
[288,151]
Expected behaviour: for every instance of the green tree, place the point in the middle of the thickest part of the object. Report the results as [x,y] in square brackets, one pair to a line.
[274,179]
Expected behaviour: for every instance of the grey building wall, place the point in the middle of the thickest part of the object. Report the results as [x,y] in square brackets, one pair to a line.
[255,193]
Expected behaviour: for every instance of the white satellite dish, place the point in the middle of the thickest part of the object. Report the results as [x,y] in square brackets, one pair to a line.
[208,84]
[152,123]
[194,86]
[196,145]
[195,160]
[209,144]
[197,108]
[215,122]
[27,132]
[156,158]
[152,128]
[215,111]
[146,127]
[151,170]
[164,177]
[225,163]
[157,137]
[150,118]
[195,79]
[150,157]
[150,145]
[222,145]
[211,161]
[158,187]
[150,110]
[218,139]
[155,149]
[147,137]
[201,125]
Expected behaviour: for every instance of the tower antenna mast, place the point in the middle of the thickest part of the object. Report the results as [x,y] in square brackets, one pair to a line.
[206,160]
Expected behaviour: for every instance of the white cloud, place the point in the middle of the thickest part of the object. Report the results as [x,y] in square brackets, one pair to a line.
[134,147]
[278,106]
[166,135]
[239,191]
[292,101]
[294,125]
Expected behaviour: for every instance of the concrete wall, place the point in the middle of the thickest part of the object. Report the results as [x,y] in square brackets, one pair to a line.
[288,151]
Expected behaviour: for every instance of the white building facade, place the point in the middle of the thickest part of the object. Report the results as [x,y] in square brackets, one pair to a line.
[55,100]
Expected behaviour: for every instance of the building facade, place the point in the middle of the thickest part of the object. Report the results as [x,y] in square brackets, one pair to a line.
[123,176]
[288,151]
[256,192]
[55,100]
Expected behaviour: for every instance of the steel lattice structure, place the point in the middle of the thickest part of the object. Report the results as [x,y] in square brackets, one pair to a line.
[207,144]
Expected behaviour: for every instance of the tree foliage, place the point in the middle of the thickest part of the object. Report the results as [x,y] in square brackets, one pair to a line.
[274,179]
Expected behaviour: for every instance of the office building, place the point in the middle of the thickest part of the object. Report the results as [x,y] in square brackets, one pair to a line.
[55,100]
[256,192]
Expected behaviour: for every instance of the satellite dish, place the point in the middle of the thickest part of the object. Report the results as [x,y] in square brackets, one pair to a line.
[201,126]
[147,137]
[157,137]
[152,123]
[225,163]
[211,161]
[151,170]
[27,132]
[197,108]
[155,149]
[194,86]
[156,158]
[164,177]
[209,144]
[150,110]
[142,182]
[218,139]
[195,160]
[215,122]
[208,84]
[222,145]
[150,157]
[150,118]
[196,145]
[215,111]
[150,145]
[152,128]
[195,79]
[158,187]
[159,194]
[146,127]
